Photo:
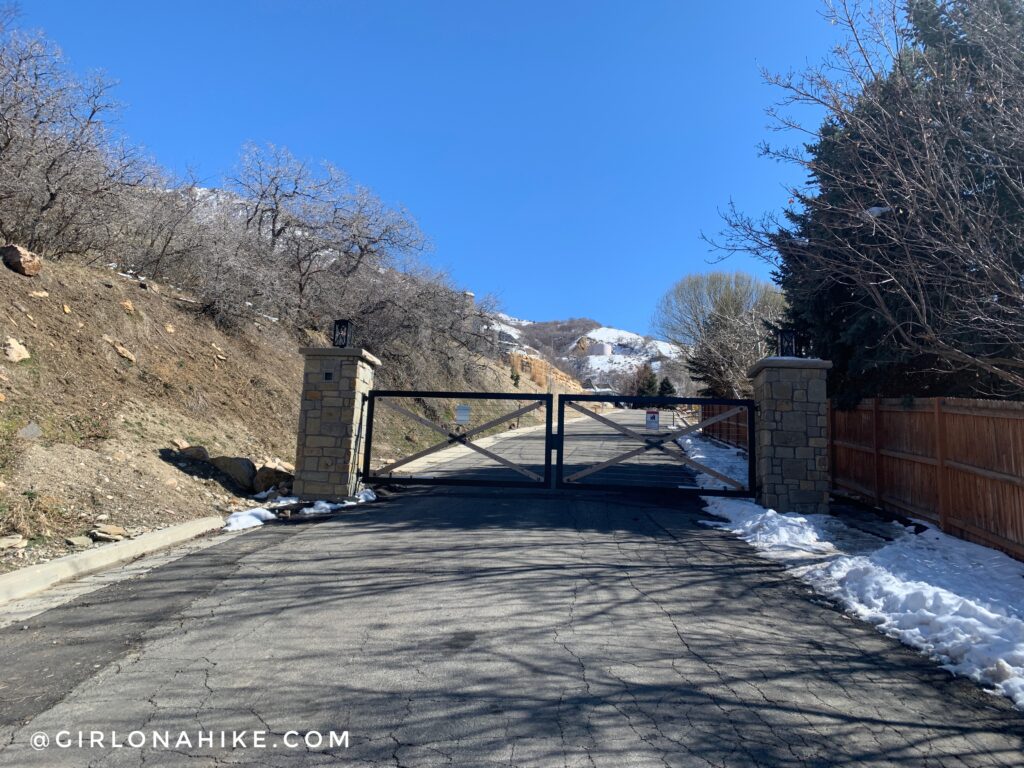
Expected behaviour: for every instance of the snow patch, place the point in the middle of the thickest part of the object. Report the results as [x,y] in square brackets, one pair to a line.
[250,518]
[960,603]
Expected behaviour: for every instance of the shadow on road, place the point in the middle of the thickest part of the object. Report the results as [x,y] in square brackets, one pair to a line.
[523,628]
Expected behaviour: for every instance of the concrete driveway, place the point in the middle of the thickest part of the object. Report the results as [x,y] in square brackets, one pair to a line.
[482,629]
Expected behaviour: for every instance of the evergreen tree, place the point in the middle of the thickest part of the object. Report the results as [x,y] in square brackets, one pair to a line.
[645,381]
[666,388]
[901,259]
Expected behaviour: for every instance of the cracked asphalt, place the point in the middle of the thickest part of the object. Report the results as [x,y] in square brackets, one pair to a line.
[489,628]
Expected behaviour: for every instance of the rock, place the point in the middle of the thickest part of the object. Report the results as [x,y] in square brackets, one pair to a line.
[100,536]
[121,350]
[15,541]
[21,260]
[194,453]
[67,309]
[128,307]
[108,532]
[101,518]
[179,444]
[15,351]
[79,542]
[30,431]
[169,327]
[238,468]
[3,397]
[39,294]
[268,477]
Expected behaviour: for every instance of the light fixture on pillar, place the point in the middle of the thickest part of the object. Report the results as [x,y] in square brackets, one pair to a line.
[342,335]
[787,343]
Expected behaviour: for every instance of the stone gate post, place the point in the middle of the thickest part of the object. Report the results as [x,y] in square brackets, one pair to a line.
[331,431]
[791,430]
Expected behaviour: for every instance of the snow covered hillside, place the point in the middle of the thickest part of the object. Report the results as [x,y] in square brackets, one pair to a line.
[604,353]
[593,353]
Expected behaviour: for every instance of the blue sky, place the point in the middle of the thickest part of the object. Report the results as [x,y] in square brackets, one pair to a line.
[563,156]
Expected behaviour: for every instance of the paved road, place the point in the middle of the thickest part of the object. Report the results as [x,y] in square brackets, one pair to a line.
[489,628]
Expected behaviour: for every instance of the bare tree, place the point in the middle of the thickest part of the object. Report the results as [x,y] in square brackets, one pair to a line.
[313,220]
[912,216]
[62,178]
[722,319]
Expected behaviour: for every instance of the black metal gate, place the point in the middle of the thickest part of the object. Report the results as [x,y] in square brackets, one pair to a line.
[602,442]
[616,443]
[507,437]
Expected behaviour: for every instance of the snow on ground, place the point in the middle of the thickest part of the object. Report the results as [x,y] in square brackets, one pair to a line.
[616,337]
[250,518]
[960,603]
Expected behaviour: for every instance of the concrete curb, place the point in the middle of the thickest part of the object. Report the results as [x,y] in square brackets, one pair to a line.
[36,578]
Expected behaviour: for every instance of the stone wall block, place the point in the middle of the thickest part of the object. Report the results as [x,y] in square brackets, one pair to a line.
[792,462]
[327,456]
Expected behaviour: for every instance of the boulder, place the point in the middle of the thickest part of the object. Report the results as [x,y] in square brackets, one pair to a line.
[21,260]
[15,351]
[179,444]
[194,453]
[79,542]
[241,470]
[14,541]
[269,476]
[108,532]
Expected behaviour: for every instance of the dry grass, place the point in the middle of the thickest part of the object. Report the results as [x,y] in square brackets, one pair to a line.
[104,418]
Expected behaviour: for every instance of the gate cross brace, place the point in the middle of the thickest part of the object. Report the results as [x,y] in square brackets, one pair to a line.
[656,443]
[463,439]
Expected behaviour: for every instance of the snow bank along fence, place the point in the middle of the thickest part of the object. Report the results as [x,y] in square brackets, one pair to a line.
[954,462]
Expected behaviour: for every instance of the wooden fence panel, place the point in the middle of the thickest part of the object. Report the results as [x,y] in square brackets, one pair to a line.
[955,462]
[732,431]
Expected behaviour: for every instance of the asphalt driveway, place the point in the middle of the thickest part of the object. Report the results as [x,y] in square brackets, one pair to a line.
[482,629]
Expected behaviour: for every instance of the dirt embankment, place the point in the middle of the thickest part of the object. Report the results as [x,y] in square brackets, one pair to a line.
[117,372]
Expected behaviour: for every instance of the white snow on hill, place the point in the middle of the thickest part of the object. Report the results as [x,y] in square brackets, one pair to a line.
[603,353]
[510,334]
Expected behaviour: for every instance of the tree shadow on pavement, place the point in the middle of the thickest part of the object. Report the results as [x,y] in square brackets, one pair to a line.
[474,627]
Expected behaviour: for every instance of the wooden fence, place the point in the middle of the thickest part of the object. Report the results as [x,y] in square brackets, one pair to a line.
[732,430]
[953,462]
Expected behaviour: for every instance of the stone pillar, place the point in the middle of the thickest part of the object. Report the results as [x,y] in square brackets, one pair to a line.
[792,434]
[331,432]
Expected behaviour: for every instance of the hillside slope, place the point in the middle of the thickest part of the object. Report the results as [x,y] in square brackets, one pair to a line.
[116,373]
[122,370]
[594,354]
